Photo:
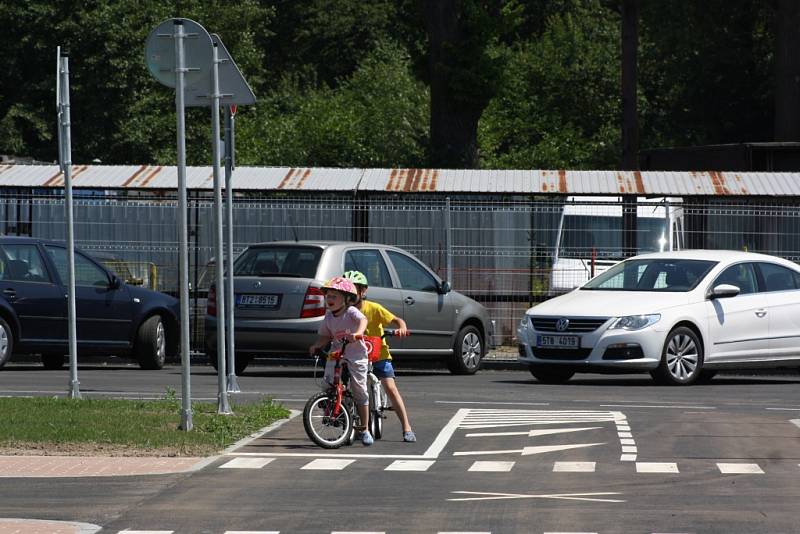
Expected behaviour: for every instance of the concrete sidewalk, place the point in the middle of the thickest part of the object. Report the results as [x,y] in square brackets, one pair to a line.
[93,466]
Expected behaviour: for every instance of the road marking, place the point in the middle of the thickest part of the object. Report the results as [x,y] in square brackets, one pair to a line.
[246,463]
[527,451]
[489,496]
[533,433]
[487,403]
[460,532]
[627,458]
[627,441]
[446,433]
[252,532]
[570,533]
[574,467]
[492,467]
[328,464]
[740,469]
[629,449]
[653,406]
[146,531]
[624,434]
[656,467]
[357,532]
[410,465]
[795,422]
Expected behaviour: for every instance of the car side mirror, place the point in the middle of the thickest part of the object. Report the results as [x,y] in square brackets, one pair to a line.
[114,283]
[723,291]
[444,287]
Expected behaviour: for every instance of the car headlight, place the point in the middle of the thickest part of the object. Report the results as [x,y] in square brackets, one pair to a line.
[635,322]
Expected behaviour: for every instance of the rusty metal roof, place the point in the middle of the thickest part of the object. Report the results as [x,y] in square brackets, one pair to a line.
[452,181]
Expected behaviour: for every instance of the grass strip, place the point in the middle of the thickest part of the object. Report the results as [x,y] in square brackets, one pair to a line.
[50,425]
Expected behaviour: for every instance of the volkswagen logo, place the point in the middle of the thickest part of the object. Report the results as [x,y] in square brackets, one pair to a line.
[562,324]
[257,284]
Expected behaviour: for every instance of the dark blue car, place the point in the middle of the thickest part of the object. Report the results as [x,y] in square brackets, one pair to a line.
[113,318]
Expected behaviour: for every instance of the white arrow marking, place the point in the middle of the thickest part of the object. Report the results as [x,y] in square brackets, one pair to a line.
[527,451]
[795,421]
[533,433]
[487,496]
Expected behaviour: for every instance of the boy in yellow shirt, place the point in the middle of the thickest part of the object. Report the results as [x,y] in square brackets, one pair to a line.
[378,317]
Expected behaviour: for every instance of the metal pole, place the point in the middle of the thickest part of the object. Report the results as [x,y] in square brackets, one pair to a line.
[183,244]
[74,385]
[449,238]
[223,406]
[233,385]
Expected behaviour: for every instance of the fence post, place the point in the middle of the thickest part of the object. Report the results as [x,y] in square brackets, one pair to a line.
[449,240]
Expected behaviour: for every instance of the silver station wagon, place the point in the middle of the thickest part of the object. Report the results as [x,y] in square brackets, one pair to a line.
[279,305]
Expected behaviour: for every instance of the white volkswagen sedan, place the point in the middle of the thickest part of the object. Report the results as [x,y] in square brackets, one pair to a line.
[679,315]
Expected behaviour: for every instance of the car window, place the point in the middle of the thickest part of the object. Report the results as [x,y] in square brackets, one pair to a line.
[741,275]
[412,275]
[86,272]
[297,262]
[657,274]
[777,277]
[22,263]
[369,262]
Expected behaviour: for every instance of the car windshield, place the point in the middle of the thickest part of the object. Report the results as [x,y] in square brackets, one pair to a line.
[657,274]
[298,262]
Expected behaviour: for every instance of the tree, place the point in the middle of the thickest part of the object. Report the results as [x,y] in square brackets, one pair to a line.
[464,64]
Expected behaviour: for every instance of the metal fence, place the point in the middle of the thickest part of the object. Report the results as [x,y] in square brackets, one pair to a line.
[507,252]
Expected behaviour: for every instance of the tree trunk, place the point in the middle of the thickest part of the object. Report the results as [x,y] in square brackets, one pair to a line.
[454,120]
[787,71]
[630,122]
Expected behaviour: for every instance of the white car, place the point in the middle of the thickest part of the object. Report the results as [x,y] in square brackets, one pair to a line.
[679,315]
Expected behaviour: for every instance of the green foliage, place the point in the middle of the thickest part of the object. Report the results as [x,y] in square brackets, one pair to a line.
[558,103]
[378,117]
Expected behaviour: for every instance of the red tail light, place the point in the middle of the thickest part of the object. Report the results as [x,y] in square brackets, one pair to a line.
[313,303]
[211,303]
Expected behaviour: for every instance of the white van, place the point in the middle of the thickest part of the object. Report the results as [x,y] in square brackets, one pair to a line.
[590,236]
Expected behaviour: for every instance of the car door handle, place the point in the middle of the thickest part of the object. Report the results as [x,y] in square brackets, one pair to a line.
[409,300]
[10,293]
[761,313]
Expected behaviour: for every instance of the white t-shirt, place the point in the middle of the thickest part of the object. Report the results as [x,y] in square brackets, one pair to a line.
[338,327]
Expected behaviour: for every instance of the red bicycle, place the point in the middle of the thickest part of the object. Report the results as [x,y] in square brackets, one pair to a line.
[330,417]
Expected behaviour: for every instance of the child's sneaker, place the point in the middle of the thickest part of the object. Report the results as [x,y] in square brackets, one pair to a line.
[409,437]
[366,438]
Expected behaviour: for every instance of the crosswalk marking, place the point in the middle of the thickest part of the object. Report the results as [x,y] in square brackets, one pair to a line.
[246,463]
[740,469]
[329,464]
[655,467]
[574,467]
[410,465]
[492,467]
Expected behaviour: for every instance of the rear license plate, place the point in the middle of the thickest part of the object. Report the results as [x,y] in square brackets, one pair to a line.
[261,301]
[558,342]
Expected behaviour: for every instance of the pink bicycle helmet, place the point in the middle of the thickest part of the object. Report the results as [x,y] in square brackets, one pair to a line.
[342,284]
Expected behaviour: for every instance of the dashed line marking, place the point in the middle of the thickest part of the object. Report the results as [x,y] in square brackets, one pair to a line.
[246,463]
[574,467]
[740,469]
[656,467]
[410,465]
[492,467]
[327,464]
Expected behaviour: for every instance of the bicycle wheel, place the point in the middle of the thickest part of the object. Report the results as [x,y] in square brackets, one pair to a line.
[377,401]
[326,430]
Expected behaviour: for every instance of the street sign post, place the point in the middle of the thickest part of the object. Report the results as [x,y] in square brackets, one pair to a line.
[65,163]
[179,52]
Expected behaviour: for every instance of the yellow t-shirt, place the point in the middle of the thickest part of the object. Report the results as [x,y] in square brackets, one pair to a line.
[377,316]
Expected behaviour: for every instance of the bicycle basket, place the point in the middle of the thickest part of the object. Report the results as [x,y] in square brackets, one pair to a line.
[373,344]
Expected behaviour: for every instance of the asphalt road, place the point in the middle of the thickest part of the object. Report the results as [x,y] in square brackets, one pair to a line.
[497,452]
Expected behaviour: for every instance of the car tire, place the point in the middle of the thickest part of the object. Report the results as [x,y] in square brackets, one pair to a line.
[52,361]
[241,361]
[151,343]
[468,352]
[681,359]
[6,342]
[551,375]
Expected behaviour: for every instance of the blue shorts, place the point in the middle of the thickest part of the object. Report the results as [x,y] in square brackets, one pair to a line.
[383,369]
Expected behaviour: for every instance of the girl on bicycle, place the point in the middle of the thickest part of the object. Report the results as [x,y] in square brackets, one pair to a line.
[343,326]
[378,317]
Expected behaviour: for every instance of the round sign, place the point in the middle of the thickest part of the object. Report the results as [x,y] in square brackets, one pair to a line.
[159,52]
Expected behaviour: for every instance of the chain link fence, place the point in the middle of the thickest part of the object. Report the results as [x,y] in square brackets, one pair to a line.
[507,252]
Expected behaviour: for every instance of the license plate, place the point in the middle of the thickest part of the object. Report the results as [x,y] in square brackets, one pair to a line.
[262,301]
[558,342]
